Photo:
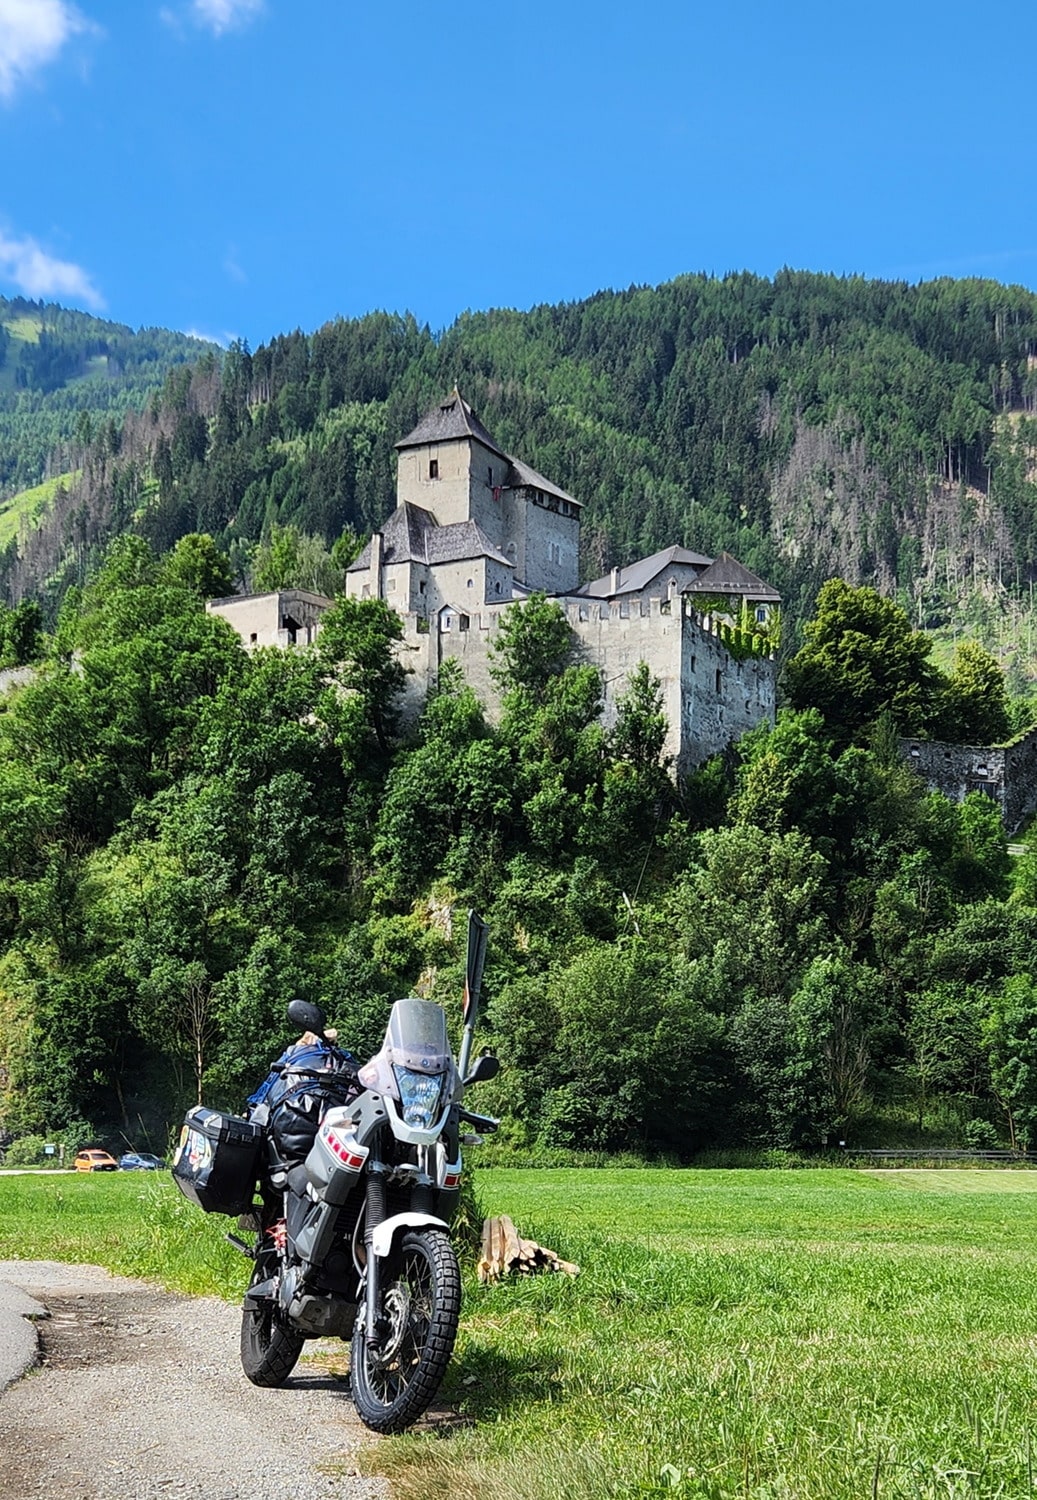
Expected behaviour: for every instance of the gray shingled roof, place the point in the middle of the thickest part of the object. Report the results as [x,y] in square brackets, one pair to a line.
[462,540]
[521,475]
[640,574]
[403,537]
[452,418]
[412,535]
[728,576]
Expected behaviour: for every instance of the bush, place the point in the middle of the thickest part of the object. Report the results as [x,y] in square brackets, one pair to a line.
[466,1230]
[980,1135]
[27,1151]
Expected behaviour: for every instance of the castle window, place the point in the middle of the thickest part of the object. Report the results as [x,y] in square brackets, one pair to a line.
[253,638]
[489,476]
[470,583]
[433,468]
[761,614]
[496,587]
[720,681]
[694,659]
[462,622]
[421,586]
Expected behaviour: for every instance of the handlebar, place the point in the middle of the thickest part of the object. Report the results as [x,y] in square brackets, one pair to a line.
[481,1122]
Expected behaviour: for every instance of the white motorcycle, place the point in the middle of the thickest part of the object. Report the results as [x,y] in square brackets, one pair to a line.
[352,1239]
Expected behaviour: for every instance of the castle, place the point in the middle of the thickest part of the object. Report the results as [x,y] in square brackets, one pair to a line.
[476,529]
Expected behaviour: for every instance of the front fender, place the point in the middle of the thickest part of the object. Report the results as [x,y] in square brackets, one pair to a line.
[385,1233]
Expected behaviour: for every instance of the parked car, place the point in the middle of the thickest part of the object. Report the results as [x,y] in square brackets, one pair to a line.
[140,1161]
[95,1161]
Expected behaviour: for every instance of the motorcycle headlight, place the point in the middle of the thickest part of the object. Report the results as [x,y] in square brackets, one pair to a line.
[419,1096]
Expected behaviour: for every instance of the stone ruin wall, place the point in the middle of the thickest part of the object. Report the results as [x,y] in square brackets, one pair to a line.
[1005,773]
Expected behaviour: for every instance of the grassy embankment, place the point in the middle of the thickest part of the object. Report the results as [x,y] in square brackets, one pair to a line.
[733,1335]
[28,505]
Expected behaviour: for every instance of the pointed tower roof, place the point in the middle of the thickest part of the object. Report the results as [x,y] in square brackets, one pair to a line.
[451,419]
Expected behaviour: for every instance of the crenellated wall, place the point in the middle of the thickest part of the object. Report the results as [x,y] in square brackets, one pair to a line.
[709,697]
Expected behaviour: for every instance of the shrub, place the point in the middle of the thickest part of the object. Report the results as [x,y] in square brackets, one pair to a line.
[980,1135]
[27,1151]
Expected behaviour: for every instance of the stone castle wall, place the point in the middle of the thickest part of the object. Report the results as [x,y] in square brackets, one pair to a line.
[709,698]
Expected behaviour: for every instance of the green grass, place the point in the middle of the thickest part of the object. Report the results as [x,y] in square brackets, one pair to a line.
[24,330]
[28,505]
[733,1335]
[135,1223]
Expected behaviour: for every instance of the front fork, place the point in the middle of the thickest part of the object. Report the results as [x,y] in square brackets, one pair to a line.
[374,1214]
[376,1324]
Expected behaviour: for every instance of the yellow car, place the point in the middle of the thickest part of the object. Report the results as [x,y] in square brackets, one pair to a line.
[95,1161]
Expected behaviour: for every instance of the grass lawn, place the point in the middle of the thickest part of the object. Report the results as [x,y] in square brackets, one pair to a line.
[734,1335]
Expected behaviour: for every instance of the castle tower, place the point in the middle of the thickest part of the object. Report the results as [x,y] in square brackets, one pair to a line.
[451,466]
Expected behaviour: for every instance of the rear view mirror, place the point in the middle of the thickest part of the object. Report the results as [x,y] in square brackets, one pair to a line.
[306,1016]
[486,1067]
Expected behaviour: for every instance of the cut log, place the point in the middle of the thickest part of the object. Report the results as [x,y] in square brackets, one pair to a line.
[506,1253]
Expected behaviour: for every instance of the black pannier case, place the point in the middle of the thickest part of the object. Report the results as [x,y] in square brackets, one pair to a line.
[216,1164]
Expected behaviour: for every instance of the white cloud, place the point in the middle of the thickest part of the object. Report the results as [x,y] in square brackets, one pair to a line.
[32,33]
[224,15]
[37,274]
[223,339]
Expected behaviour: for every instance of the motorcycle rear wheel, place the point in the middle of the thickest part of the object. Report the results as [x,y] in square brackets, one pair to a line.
[394,1380]
[269,1348]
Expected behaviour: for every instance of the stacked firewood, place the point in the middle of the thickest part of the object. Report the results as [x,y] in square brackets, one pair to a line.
[506,1253]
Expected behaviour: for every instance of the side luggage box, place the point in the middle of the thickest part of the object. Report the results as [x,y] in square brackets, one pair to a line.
[216,1164]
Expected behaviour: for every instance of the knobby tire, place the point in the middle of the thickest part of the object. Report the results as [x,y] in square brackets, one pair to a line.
[269,1348]
[394,1381]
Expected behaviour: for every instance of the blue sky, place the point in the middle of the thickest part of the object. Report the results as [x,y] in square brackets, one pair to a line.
[239,168]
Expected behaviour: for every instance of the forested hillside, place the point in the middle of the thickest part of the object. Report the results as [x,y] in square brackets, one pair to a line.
[809,424]
[800,946]
[64,375]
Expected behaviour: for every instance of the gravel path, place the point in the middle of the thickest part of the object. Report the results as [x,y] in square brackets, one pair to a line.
[139,1395]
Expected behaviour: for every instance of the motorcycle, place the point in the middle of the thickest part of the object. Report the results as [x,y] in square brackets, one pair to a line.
[352,1240]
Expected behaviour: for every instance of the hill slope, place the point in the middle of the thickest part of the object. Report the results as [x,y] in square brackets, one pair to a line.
[62,373]
[809,424]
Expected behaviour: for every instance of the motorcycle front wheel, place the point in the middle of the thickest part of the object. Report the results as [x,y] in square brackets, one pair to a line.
[269,1348]
[395,1376]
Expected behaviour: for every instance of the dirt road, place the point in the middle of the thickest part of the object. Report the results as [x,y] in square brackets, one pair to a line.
[139,1395]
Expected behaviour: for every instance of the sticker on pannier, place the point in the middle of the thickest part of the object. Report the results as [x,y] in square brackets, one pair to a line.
[216,1164]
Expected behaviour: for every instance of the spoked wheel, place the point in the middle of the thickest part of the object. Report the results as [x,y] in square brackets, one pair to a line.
[269,1347]
[395,1376]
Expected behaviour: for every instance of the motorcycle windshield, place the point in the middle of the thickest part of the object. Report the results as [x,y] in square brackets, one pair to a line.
[417,1036]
